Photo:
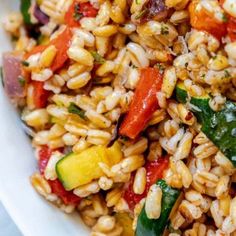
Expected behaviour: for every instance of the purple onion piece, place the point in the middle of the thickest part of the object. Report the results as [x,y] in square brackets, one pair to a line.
[11,68]
[40,16]
[154,9]
[115,134]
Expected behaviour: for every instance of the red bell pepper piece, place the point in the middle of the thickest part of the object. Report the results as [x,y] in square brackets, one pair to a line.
[154,170]
[68,197]
[40,95]
[62,44]
[44,154]
[231,28]
[77,11]
[205,21]
[143,104]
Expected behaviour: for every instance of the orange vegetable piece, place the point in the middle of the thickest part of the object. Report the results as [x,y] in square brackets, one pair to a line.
[205,21]
[62,44]
[77,11]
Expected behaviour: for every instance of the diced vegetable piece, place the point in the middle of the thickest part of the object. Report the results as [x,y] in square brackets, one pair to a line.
[143,104]
[40,16]
[57,188]
[231,28]
[201,19]
[44,154]
[114,153]
[153,10]
[77,11]
[76,110]
[219,127]
[40,95]
[154,170]
[182,95]
[62,44]
[68,197]
[156,227]
[24,7]
[12,75]
[126,222]
[78,169]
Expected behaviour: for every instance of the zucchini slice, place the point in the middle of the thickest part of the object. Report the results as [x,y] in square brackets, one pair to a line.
[151,227]
[219,127]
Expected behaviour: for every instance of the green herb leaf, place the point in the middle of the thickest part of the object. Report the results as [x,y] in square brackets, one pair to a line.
[76,110]
[21,80]
[164,30]
[141,14]
[227,74]
[160,67]
[77,14]
[25,63]
[97,57]
[124,138]
[224,18]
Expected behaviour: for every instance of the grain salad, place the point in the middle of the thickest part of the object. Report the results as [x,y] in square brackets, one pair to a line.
[130,106]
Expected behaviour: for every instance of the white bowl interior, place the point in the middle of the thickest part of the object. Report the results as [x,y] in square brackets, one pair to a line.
[32,214]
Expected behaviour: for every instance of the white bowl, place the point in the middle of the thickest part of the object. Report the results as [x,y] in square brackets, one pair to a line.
[32,214]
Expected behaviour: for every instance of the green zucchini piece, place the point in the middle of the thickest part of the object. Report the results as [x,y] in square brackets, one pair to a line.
[219,127]
[151,227]
[24,7]
[181,93]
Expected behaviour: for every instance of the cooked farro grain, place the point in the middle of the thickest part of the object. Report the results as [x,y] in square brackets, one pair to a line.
[153,202]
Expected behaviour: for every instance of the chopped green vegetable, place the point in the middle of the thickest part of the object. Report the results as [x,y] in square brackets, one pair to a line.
[97,57]
[156,227]
[21,80]
[25,63]
[24,7]
[141,14]
[77,14]
[218,126]
[76,110]
[164,30]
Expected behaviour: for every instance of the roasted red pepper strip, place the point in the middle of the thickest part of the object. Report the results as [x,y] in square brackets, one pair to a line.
[231,28]
[155,170]
[143,104]
[68,197]
[205,21]
[40,95]
[77,11]
[62,44]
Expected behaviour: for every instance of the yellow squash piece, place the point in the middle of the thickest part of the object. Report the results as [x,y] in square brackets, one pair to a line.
[75,170]
[114,153]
